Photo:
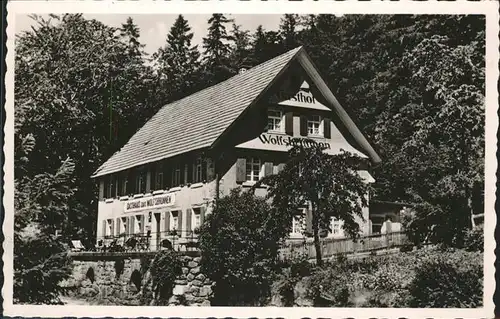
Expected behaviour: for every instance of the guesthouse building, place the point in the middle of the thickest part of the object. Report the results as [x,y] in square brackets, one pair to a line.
[162,182]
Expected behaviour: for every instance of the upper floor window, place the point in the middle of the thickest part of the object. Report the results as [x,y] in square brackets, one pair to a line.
[253,169]
[198,170]
[159,180]
[335,225]
[274,120]
[176,176]
[314,125]
[140,184]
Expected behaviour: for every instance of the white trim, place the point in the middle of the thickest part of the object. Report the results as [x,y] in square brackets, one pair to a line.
[196,185]
[158,192]
[174,189]
[109,200]
[138,195]
[124,197]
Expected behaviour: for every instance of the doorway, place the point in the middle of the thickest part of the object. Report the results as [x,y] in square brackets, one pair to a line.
[158,230]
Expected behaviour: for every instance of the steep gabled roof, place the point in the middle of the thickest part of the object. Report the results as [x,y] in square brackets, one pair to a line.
[198,121]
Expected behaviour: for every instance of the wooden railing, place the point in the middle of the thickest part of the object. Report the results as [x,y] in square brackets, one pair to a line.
[336,246]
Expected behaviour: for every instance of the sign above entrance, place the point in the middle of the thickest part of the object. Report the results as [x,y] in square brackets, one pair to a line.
[149,203]
[302,98]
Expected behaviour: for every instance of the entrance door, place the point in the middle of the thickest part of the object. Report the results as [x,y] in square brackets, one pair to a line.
[158,230]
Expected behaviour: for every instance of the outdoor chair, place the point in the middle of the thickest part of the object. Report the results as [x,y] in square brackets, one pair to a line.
[77,246]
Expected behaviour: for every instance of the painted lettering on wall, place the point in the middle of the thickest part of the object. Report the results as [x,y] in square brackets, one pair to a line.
[301,97]
[289,141]
[152,202]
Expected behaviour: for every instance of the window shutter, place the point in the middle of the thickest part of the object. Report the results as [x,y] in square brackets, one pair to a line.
[118,226]
[327,131]
[153,178]
[309,228]
[241,170]
[204,168]
[268,168]
[104,228]
[179,220]
[132,224]
[112,232]
[143,223]
[202,215]
[148,185]
[127,226]
[303,125]
[114,181]
[167,221]
[189,213]
[101,189]
[289,123]
[281,167]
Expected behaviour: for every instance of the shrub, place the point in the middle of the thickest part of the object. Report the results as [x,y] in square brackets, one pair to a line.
[292,272]
[474,240]
[329,287]
[240,242]
[164,269]
[451,279]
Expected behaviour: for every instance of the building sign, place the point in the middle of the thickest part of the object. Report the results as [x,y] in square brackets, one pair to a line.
[301,97]
[290,141]
[150,203]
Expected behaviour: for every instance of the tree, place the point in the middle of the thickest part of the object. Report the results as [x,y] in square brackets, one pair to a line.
[130,33]
[240,49]
[330,185]
[81,95]
[288,31]
[40,205]
[265,45]
[240,242]
[217,49]
[178,62]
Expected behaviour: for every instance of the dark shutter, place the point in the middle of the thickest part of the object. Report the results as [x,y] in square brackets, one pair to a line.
[131,226]
[281,167]
[143,223]
[179,221]
[309,228]
[112,232]
[289,123]
[153,178]
[202,215]
[167,221]
[127,226]
[189,213]
[204,170]
[114,181]
[327,131]
[104,228]
[241,170]
[303,125]
[101,189]
[268,168]
[118,224]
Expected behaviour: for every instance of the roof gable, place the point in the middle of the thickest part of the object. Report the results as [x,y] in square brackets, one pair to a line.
[204,118]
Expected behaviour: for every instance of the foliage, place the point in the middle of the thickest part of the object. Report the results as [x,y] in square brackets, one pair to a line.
[240,242]
[474,240]
[329,182]
[165,268]
[446,282]
[291,273]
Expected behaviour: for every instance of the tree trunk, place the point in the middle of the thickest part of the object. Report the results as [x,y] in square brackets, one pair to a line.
[315,226]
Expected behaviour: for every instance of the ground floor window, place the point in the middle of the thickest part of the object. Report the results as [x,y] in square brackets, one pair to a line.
[174,221]
[196,220]
[336,226]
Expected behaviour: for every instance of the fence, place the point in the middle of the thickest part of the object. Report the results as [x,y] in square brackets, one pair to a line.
[333,246]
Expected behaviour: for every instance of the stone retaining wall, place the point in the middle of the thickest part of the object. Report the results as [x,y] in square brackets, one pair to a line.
[124,279]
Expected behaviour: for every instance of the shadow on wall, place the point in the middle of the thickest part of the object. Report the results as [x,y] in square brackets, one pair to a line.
[136,279]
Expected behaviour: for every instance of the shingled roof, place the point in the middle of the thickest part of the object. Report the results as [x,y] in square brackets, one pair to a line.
[197,121]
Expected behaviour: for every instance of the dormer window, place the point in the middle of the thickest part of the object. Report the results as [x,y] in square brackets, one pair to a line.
[314,127]
[274,120]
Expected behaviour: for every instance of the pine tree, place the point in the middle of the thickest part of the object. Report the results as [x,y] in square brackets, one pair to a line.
[178,61]
[217,50]
[241,48]
[288,31]
[130,33]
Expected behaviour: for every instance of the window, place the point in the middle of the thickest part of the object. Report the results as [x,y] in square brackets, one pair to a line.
[176,177]
[274,120]
[196,218]
[314,125]
[125,186]
[140,184]
[174,221]
[335,224]
[109,228]
[253,169]
[210,169]
[298,225]
[159,180]
[123,226]
[198,170]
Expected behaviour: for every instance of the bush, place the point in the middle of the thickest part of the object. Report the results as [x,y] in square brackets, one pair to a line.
[240,242]
[292,272]
[164,269]
[451,279]
[329,287]
[474,240]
